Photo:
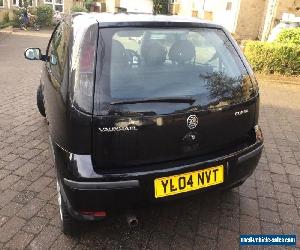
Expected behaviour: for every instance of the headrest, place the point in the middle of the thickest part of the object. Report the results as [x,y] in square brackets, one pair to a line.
[118,52]
[153,53]
[182,51]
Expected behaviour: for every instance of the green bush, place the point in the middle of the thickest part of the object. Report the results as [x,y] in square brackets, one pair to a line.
[273,57]
[6,17]
[6,24]
[77,8]
[291,35]
[88,4]
[17,16]
[44,15]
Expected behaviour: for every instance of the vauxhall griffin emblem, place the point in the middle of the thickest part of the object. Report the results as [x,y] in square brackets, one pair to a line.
[192,121]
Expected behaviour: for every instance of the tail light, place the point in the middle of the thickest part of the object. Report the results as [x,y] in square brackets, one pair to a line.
[85,71]
[94,213]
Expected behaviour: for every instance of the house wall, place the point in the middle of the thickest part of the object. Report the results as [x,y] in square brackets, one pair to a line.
[144,6]
[250,18]
[193,8]
[110,5]
[287,6]
[4,9]
[225,17]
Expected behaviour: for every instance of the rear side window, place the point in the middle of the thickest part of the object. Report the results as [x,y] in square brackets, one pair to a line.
[157,62]
[58,51]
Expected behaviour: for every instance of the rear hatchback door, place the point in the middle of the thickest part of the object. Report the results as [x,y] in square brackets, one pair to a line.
[164,94]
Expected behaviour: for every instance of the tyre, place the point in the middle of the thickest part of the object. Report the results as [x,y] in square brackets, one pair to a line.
[40,100]
[67,221]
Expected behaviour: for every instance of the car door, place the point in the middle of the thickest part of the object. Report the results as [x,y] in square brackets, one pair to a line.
[56,81]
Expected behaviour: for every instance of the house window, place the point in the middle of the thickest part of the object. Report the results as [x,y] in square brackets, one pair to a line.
[228,6]
[20,3]
[1,3]
[57,5]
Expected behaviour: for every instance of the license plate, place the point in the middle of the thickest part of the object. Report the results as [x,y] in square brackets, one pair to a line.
[186,182]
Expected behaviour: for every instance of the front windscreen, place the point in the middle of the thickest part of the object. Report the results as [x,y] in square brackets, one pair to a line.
[142,63]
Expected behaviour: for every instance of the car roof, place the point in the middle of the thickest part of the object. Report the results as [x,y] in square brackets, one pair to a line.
[136,17]
[124,19]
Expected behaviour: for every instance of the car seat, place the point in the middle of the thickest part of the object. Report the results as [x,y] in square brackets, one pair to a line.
[182,51]
[153,53]
[118,54]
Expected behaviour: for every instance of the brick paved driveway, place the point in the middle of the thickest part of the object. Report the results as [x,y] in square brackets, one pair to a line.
[269,202]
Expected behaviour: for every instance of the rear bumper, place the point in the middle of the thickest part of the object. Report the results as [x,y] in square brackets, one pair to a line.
[85,190]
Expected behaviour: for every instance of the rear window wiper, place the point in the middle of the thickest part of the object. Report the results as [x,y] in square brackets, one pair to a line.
[160,99]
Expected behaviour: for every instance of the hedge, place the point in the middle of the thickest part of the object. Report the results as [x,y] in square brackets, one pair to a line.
[44,15]
[78,8]
[290,35]
[273,57]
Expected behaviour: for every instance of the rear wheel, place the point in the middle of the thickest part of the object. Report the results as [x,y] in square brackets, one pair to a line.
[67,221]
[40,100]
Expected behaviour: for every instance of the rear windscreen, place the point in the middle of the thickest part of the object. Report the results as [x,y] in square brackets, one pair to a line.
[142,63]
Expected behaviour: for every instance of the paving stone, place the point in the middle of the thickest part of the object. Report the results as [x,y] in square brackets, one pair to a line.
[294,181]
[15,164]
[25,169]
[249,225]
[277,168]
[270,228]
[269,216]
[64,242]
[296,192]
[180,242]
[35,225]
[4,173]
[7,196]
[20,240]
[249,206]
[248,192]
[8,181]
[265,189]
[11,209]
[33,176]
[286,198]
[268,203]
[3,219]
[289,213]
[10,228]
[279,178]
[31,208]
[45,239]
[292,169]
[47,193]
[282,187]
[205,243]
[263,176]
[228,240]
[40,184]
[159,240]
[48,211]
[24,197]
[20,185]
[207,230]
[230,223]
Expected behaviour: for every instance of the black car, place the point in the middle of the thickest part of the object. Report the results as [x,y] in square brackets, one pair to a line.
[143,109]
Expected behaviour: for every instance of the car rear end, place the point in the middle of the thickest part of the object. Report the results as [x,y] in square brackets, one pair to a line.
[174,113]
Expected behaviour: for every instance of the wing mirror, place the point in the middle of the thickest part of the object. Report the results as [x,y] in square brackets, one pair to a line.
[35,54]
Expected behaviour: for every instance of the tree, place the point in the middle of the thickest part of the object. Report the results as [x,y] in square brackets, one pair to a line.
[160,6]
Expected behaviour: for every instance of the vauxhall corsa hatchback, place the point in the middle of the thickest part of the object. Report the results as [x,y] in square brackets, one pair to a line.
[143,109]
